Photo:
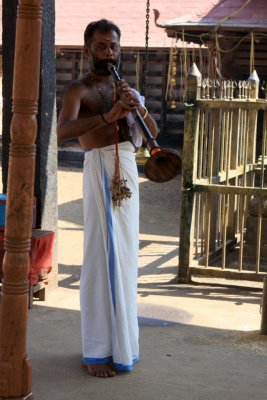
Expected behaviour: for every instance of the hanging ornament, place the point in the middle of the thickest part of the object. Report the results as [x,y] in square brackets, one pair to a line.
[173,80]
[119,191]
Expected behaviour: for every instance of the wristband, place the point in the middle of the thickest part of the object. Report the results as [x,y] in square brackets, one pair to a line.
[145,114]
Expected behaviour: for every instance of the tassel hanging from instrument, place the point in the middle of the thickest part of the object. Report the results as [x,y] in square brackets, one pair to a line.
[119,189]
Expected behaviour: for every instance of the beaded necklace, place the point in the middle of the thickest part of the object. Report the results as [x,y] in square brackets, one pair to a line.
[119,189]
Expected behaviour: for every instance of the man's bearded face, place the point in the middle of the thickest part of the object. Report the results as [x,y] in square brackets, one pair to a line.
[104,49]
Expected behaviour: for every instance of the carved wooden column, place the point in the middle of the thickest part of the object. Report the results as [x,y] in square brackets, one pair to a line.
[15,366]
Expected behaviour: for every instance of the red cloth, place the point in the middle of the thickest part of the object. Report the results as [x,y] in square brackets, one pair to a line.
[41,255]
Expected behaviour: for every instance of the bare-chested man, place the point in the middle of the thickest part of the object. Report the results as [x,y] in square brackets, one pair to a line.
[98,113]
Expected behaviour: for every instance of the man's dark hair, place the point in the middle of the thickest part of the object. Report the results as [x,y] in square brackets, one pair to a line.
[103,25]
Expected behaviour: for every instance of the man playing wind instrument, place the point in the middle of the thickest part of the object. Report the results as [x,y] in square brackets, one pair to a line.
[99,113]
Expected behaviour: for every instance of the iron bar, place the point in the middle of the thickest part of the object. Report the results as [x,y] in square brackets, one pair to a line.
[205,150]
[203,207]
[241,230]
[210,146]
[207,228]
[225,225]
[227,148]
[245,152]
[219,235]
[200,148]
[197,222]
[222,141]
[259,228]
[264,150]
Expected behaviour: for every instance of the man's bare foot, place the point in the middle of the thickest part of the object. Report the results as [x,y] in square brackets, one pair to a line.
[100,370]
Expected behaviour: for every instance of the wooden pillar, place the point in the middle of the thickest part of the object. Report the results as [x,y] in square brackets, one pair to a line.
[9,8]
[189,165]
[15,366]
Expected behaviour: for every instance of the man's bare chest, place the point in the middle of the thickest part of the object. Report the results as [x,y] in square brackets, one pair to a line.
[98,97]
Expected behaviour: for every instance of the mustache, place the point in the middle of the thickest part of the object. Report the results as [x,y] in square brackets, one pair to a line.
[103,64]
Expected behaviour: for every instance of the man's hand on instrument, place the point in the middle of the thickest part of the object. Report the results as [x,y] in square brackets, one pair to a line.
[129,97]
[127,94]
[120,110]
[128,102]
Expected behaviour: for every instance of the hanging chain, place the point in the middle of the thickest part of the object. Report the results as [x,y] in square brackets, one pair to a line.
[144,86]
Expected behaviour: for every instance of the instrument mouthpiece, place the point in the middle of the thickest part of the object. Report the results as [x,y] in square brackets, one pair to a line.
[114,72]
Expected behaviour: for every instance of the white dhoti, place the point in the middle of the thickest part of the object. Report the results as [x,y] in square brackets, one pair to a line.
[108,287]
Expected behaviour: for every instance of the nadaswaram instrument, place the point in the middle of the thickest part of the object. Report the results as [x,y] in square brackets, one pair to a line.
[163,164]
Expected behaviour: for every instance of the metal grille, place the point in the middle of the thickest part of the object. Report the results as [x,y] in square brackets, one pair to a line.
[224,192]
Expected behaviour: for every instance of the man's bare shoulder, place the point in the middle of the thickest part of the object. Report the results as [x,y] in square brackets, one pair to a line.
[76,87]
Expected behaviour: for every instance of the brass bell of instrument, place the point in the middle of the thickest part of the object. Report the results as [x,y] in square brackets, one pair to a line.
[163,165]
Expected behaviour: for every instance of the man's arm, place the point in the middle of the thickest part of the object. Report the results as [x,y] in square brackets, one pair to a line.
[69,126]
